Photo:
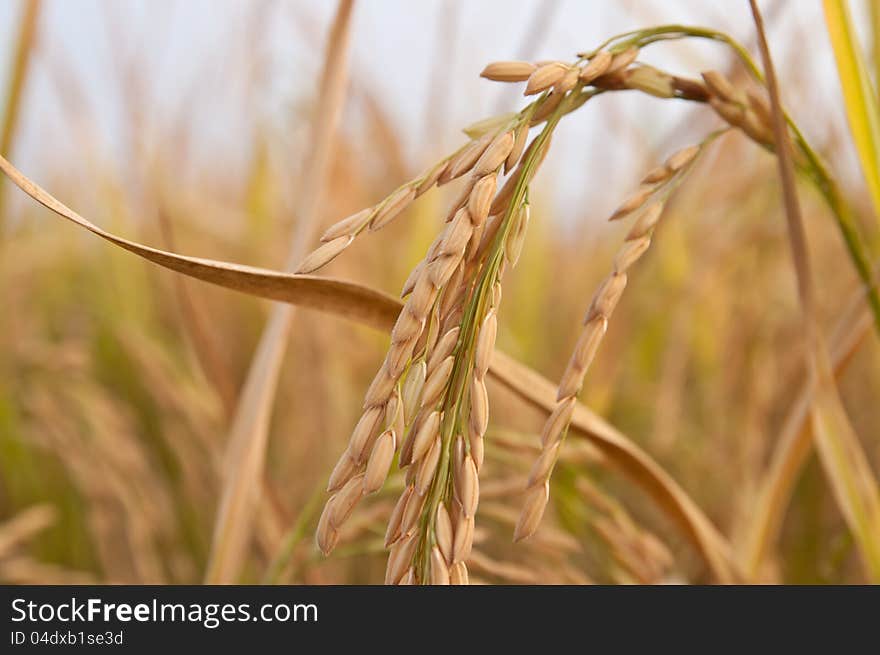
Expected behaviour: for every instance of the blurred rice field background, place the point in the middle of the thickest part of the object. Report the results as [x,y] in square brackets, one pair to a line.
[185,125]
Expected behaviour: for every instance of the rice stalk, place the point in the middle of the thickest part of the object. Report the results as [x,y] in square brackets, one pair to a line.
[249,432]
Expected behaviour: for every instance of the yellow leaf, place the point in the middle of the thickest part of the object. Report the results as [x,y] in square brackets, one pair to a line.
[859,98]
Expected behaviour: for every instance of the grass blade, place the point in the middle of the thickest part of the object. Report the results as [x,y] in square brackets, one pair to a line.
[860,99]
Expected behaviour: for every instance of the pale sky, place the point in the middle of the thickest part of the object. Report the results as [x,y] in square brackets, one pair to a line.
[193,46]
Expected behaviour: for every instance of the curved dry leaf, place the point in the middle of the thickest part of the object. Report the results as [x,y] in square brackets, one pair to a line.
[358,303]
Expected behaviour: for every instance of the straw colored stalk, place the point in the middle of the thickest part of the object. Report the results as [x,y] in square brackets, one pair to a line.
[649,207]
[249,433]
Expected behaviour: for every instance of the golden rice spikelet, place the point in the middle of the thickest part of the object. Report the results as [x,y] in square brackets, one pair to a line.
[428,466]
[392,532]
[633,203]
[458,574]
[721,87]
[519,144]
[600,310]
[400,558]
[517,235]
[598,66]
[464,538]
[436,382]
[412,388]
[480,198]
[621,60]
[682,158]
[379,462]
[439,569]
[495,154]
[468,486]
[508,71]
[324,254]
[558,420]
[543,77]
[412,511]
[533,510]
[466,158]
[391,209]
[485,344]
[348,226]
[363,432]
[544,464]
[426,435]
[443,348]
[547,106]
[326,536]
[430,177]
[443,532]
[345,500]
[648,79]
[568,81]
[342,472]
